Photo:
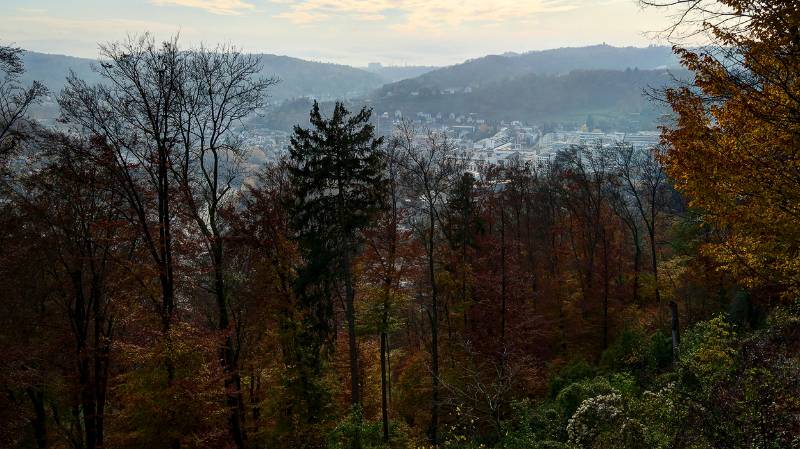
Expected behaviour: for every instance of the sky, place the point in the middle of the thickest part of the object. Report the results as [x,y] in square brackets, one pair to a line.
[353,32]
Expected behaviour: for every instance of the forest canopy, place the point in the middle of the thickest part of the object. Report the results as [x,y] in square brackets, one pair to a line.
[369,291]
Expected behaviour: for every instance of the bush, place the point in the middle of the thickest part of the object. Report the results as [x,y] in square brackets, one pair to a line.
[353,427]
[572,372]
[707,353]
[627,353]
[660,351]
[571,397]
[607,422]
[533,426]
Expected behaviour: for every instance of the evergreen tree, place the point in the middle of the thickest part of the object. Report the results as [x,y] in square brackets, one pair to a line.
[337,175]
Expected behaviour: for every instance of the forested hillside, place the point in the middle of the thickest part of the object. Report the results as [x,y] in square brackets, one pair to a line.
[370,291]
[559,86]
[616,94]
[299,78]
[560,61]
[616,99]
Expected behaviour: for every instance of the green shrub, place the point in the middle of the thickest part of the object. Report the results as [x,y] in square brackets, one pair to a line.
[708,352]
[570,373]
[353,427]
[660,351]
[627,353]
[532,425]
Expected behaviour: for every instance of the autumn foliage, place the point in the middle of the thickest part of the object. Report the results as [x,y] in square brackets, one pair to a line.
[388,292]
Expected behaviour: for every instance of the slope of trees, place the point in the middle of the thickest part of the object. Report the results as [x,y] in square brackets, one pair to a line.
[536,97]
[300,78]
[375,294]
[613,97]
[559,61]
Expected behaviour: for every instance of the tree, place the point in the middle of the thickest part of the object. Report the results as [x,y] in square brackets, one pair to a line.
[387,261]
[628,213]
[15,99]
[265,306]
[644,183]
[429,167]
[733,145]
[586,174]
[133,113]
[462,225]
[221,88]
[73,230]
[29,334]
[80,218]
[336,170]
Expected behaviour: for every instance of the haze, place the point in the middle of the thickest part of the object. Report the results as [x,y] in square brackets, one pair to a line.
[354,32]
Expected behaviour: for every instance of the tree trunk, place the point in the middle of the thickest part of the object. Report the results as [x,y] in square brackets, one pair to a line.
[255,409]
[39,420]
[433,430]
[384,383]
[80,322]
[355,385]
[676,331]
[232,381]
[654,261]
[87,401]
[101,384]
[605,291]
[168,301]
[502,277]
[637,267]
[350,294]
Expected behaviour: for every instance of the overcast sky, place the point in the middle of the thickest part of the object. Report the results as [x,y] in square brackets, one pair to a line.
[354,32]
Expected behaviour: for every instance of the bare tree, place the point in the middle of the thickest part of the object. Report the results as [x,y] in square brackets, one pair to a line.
[481,396]
[133,112]
[693,18]
[627,212]
[586,174]
[644,183]
[15,99]
[221,87]
[429,167]
[386,247]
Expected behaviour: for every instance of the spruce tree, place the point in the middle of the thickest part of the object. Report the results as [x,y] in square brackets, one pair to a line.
[337,174]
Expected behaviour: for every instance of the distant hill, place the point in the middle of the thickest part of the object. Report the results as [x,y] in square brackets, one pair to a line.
[493,68]
[52,70]
[615,100]
[394,73]
[298,77]
[615,97]
[557,86]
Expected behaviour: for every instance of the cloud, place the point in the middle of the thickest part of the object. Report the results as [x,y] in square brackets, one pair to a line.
[220,7]
[422,15]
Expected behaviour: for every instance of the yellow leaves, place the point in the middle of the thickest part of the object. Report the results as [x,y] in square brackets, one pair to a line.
[708,351]
[737,160]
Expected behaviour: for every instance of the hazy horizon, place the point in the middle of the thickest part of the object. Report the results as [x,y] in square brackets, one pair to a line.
[351,32]
[384,64]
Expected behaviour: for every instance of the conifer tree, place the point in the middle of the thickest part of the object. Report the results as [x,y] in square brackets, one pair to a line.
[337,174]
